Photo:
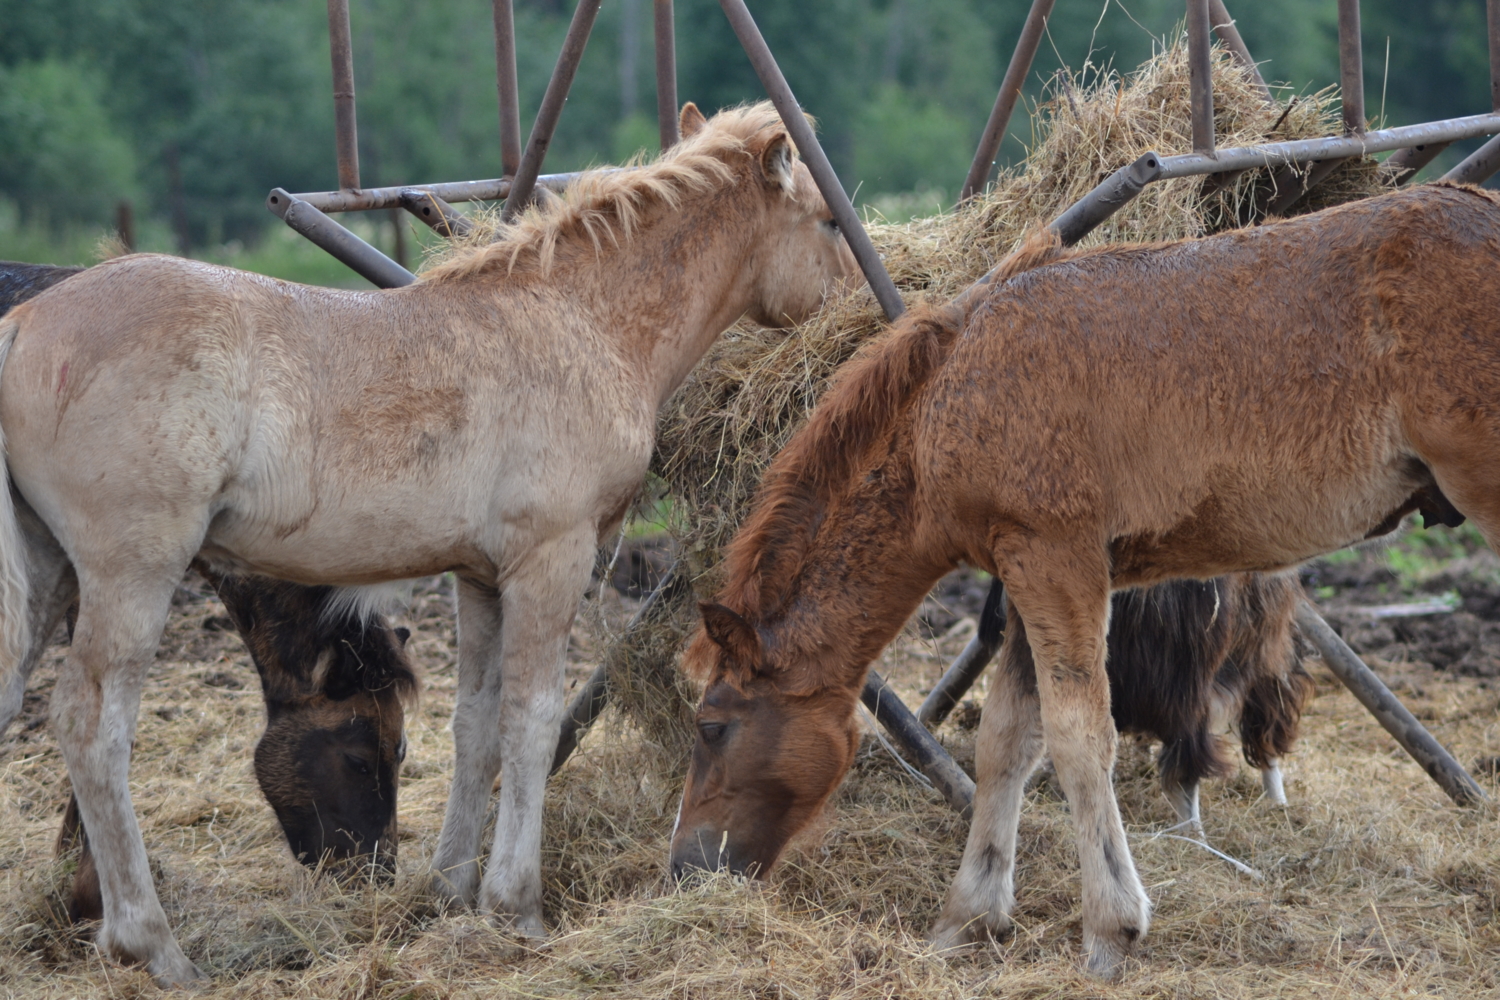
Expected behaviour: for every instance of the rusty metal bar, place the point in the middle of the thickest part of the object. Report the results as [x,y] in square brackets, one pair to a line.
[1492,12]
[1404,164]
[436,212]
[1005,101]
[1224,27]
[965,670]
[1108,198]
[931,759]
[590,700]
[812,153]
[1277,153]
[1200,76]
[1388,710]
[370,199]
[341,52]
[339,242]
[507,87]
[1351,68]
[666,75]
[1479,166]
[552,104]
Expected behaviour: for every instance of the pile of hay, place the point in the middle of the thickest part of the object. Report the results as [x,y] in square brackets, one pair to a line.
[757,386]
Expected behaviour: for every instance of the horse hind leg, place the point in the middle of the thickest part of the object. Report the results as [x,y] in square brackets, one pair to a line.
[1009,745]
[1065,605]
[94,711]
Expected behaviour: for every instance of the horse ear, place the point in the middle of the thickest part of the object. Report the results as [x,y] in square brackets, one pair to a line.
[691,120]
[776,162]
[731,633]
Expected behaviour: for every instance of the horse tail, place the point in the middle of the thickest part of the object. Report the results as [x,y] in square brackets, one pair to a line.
[15,637]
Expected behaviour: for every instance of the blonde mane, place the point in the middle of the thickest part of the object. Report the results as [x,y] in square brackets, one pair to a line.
[608,204]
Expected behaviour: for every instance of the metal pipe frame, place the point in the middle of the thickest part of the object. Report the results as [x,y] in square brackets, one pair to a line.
[339,242]
[666,74]
[1224,27]
[1492,15]
[436,213]
[1404,164]
[1200,76]
[812,154]
[551,110]
[964,671]
[370,199]
[341,54]
[1005,101]
[507,87]
[1388,710]
[1351,68]
[1335,147]
[1479,166]
[931,759]
[1294,184]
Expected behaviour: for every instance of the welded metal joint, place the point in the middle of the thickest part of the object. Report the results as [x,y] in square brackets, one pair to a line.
[435,212]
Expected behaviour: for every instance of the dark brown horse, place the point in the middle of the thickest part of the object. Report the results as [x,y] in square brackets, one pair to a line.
[1090,421]
[335,689]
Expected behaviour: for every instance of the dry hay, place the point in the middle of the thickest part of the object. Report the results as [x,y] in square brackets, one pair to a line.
[1373,884]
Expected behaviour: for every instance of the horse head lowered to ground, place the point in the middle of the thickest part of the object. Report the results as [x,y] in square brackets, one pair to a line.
[495,419]
[1089,421]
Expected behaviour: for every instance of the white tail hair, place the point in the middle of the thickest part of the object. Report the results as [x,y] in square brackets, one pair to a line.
[365,602]
[15,611]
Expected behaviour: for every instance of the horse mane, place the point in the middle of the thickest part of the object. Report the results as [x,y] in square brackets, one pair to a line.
[608,204]
[865,400]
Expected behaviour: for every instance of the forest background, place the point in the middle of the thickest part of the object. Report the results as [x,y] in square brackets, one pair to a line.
[192,110]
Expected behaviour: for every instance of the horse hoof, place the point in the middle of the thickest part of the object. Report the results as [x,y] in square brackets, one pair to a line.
[1106,955]
[171,971]
[950,934]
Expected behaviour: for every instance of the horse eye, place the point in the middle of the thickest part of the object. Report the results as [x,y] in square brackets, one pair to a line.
[832,224]
[358,763]
[712,732]
[401,750]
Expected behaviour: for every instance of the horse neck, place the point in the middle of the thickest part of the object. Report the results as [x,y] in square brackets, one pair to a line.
[865,572]
[665,295]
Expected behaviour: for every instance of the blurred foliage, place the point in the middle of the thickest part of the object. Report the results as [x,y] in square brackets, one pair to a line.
[195,109]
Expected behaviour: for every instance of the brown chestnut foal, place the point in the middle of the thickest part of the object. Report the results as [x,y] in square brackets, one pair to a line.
[1089,420]
[493,420]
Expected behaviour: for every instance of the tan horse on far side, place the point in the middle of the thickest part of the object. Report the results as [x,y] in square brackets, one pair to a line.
[493,420]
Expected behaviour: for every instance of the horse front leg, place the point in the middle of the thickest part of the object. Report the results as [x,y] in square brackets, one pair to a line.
[1006,752]
[94,709]
[540,601]
[1064,602]
[476,743]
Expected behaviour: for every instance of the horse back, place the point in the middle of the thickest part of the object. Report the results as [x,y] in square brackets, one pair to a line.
[1235,402]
